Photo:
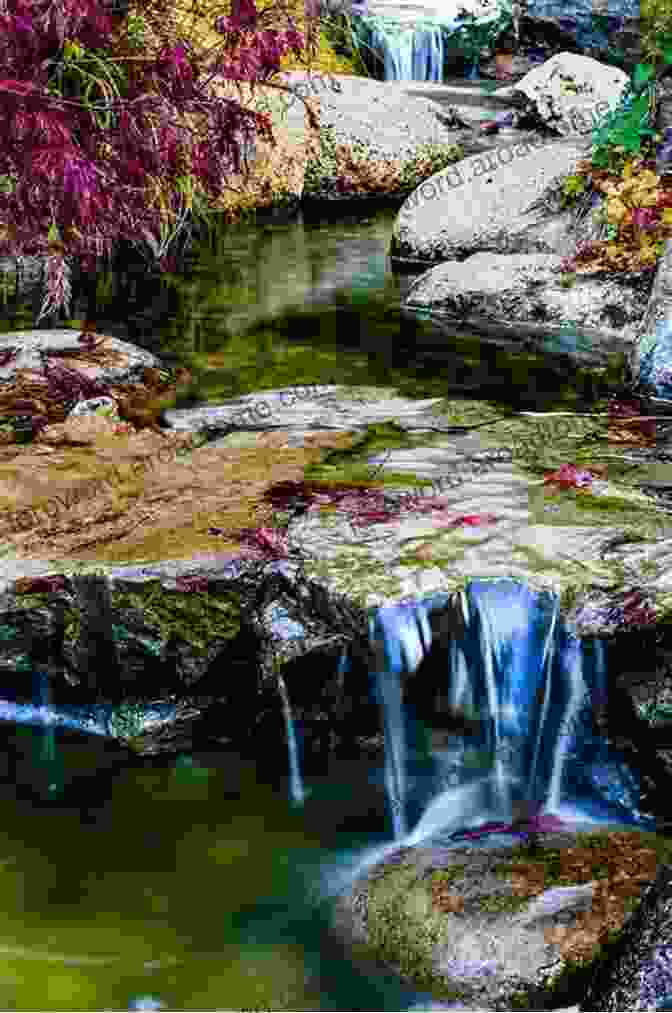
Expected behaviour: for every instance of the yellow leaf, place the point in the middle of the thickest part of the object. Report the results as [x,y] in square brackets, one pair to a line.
[616,209]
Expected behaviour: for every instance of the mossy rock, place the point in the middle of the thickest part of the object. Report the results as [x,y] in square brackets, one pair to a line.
[196,618]
[415,911]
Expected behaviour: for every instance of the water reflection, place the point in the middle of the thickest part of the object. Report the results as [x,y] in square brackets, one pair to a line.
[190,886]
[314,300]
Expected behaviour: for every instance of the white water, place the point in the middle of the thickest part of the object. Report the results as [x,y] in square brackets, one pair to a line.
[412,55]
[297,792]
[530,682]
[411,37]
[399,638]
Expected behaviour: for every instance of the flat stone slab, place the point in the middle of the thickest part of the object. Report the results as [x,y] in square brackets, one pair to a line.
[485,509]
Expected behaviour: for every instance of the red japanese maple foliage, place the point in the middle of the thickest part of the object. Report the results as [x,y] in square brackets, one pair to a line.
[73,181]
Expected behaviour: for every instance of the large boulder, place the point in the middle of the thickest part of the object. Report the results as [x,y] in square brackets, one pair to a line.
[377,119]
[523,294]
[570,93]
[502,925]
[489,202]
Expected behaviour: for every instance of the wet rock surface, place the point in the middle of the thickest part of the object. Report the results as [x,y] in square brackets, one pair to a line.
[635,972]
[502,927]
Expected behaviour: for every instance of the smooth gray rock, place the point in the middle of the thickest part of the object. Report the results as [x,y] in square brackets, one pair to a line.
[514,290]
[489,202]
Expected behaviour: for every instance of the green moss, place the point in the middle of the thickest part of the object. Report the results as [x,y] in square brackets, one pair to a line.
[448,875]
[338,465]
[402,927]
[497,905]
[196,618]
[520,1000]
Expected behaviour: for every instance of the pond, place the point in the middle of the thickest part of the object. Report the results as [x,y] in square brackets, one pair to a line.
[313,299]
[189,885]
[195,884]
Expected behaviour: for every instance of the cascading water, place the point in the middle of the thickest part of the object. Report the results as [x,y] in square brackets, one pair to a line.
[297,792]
[395,648]
[411,43]
[411,53]
[532,686]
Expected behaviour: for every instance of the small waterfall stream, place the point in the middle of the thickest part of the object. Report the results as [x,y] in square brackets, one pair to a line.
[411,40]
[297,792]
[410,54]
[532,686]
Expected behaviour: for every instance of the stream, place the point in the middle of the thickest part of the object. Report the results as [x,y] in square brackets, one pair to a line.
[205,882]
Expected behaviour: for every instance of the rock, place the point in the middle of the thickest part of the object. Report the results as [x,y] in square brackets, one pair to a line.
[577,17]
[167,686]
[106,407]
[486,202]
[636,973]
[497,925]
[376,118]
[362,542]
[651,351]
[110,361]
[514,291]
[570,93]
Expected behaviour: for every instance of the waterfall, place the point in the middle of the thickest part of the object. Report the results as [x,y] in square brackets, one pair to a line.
[412,54]
[413,48]
[297,793]
[532,687]
[399,636]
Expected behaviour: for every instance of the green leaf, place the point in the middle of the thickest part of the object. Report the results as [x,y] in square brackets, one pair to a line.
[643,72]
[54,234]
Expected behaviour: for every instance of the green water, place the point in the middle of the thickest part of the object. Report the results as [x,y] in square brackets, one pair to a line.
[314,300]
[189,883]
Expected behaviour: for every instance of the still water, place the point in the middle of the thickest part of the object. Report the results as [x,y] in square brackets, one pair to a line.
[194,884]
[314,299]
